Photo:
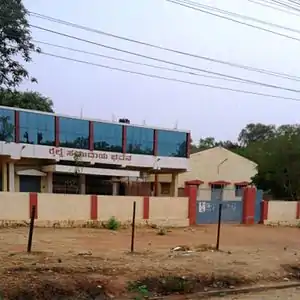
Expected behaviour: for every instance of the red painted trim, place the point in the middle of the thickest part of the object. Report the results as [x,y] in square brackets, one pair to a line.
[192,209]
[17,126]
[298,210]
[91,135]
[155,142]
[94,207]
[194,182]
[188,145]
[220,182]
[242,183]
[33,200]
[264,211]
[156,183]
[146,208]
[124,138]
[56,126]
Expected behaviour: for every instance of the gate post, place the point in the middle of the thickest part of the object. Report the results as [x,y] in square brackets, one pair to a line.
[249,198]
[191,192]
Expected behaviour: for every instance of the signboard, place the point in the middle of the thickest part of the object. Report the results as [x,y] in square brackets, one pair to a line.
[95,156]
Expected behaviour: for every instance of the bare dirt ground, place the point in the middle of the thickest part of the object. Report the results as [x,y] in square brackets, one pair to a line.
[286,294]
[91,263]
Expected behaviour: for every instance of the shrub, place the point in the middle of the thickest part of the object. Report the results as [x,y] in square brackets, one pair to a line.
[113,224]
[162,231]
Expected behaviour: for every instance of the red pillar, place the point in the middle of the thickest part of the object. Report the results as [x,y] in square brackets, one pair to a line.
[249,205]
[94,207]
[155,144]
[124,138]
[188,144]
[191,193]
[91,135]
[264,211]
[146,208]
[33,201]
[298,210]
[56,125]
[17,126]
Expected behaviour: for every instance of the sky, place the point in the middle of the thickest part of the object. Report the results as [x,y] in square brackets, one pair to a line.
[107,94]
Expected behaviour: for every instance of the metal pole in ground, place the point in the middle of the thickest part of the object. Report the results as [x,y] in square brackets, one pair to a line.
[219,226]
[32,217]
[133,226]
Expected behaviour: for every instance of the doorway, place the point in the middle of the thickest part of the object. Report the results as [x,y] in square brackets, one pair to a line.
[30,184]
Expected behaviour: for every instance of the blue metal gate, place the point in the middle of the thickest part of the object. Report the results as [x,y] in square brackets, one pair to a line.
[208,211]
[258,201]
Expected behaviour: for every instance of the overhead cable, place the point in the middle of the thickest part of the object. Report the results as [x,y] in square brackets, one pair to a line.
[162,60]
[231,64]
[169,78]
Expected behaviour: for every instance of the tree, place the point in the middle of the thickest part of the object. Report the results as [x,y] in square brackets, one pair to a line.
[15,43]
[255,133]
[6,129]
[26,100]
[210,142]
[207,143]
[279,163]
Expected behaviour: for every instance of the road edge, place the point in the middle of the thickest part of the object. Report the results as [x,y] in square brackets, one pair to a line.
[225,292]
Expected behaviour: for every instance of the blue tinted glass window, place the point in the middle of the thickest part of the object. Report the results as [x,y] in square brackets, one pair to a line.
[139,140]
[107,137]
[74,133]
[37,128]
[7,125]
[171,143]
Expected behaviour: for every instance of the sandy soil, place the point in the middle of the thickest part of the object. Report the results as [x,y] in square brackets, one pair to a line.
[101,258]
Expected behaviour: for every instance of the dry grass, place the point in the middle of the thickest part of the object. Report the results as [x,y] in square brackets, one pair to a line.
[95,262]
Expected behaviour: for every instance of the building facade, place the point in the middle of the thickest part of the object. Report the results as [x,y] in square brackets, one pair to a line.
[43,152]
[218,173]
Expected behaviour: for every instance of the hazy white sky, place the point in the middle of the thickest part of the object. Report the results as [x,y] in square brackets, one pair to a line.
[206,112]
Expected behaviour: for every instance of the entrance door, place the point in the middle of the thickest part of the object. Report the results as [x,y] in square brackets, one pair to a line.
[30,184]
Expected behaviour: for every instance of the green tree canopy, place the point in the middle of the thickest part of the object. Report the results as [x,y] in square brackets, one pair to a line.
[15,43]
[256,133]
[26,100]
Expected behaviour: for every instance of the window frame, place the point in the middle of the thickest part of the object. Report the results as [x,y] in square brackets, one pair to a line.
[176,144]
[140,137]
[84,143]
[36,129]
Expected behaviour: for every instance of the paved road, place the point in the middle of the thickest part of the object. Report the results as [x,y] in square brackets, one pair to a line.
[286,294]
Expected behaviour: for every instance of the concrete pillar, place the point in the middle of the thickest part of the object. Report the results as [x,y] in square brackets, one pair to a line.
[174,185]
[82,186]
[49,182]
[115,187]
[11,175]
[4,177]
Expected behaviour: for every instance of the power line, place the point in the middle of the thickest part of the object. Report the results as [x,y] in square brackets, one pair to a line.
[184,4]
[169,78]
[226,12]
[293,2]
[248,68]
[164,61]
[134,62]
[269,4]
[286,5]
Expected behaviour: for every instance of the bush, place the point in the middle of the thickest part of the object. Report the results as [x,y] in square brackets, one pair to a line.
[162,231]
[113,224]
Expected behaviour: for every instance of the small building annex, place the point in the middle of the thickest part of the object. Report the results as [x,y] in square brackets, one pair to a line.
[218,173]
